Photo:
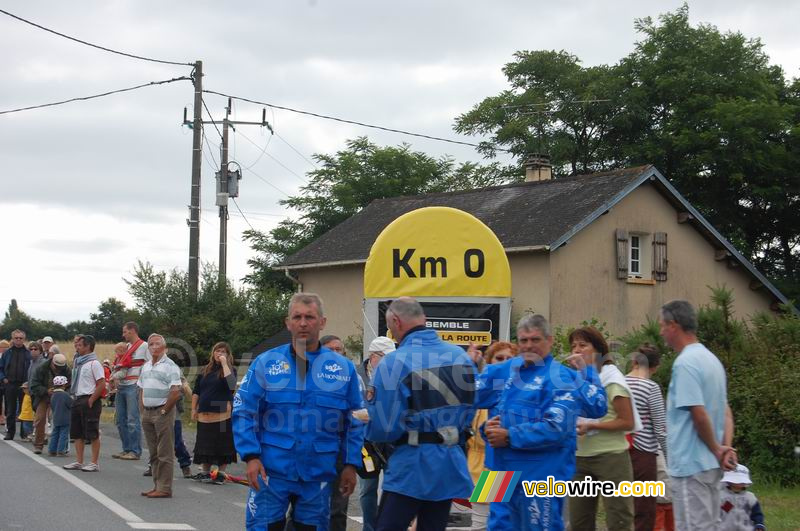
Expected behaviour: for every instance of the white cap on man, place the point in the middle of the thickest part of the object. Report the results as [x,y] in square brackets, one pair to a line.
[382,344]
[47,339]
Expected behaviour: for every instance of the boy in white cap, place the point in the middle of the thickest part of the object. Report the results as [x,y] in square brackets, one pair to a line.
[739,508]
[61,404]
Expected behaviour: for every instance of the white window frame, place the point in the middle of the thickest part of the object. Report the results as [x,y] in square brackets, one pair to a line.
[637,272]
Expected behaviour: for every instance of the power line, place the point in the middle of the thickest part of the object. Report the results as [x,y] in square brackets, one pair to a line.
[261,154]
[85,98]
[212,119]
[295,150]
[132,56]
[269,183]
[353,122]
[264,151]
[242,213]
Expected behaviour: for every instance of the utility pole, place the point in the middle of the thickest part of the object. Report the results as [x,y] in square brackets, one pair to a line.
[227,184]
[197,157]
[222,199]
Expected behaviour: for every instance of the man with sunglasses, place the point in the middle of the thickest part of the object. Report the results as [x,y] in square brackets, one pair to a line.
[14,367]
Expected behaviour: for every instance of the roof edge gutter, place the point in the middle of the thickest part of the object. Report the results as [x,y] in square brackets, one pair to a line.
[527,248]
[322,264]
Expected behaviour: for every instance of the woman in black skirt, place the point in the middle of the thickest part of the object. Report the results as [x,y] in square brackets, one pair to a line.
[212,403]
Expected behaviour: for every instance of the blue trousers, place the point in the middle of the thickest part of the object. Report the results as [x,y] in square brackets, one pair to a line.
[181,453]
[368,496]
[59,439]
[535,514]
[311,502]
[129,425]
[398,510]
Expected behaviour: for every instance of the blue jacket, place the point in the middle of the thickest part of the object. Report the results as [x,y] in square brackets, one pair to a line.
[298,428]
[426,385]
[6,364]
[539,405]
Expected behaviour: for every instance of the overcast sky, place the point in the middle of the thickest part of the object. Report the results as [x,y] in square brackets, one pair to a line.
[90,187]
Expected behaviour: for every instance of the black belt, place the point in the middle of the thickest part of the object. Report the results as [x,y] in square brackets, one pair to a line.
[425,437]
[153,408]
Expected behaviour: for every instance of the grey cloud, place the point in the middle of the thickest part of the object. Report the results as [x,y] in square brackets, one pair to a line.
[79,246]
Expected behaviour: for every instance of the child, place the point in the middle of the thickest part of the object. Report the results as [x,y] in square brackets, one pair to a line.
[26,415]
[739,508]
[60,403]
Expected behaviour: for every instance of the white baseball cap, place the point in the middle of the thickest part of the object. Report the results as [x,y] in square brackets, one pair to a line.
[382,344]
[740,475]
[47,339]
[60,380]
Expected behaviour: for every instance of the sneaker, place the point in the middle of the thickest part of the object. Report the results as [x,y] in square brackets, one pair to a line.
[118,455]
[52,454]
[37,451]
[91,467]
[73,466]
[187,472]
[62,454]
[148,472]
[200,476]
[129,456]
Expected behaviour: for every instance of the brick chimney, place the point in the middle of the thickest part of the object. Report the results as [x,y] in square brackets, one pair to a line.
[538,168]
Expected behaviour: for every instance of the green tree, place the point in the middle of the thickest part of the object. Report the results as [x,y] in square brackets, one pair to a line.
[553,106]
[705,107]
[106,323]
[346,182]
[241,317]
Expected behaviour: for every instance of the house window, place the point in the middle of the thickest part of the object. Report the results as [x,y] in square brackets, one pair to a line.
[635,265]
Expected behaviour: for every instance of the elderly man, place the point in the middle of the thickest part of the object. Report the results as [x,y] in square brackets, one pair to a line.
[699,421]
[423,404]
[160,384]
[534,403]
[47,344]
[88,383]
[291,419]
[14,366]
[41,385]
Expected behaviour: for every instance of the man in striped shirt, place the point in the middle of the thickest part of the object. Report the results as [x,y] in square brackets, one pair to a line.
[160,382]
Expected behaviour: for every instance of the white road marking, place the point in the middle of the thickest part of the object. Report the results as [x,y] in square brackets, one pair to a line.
[199,490]
[130,518]
[153,525]
[359,519]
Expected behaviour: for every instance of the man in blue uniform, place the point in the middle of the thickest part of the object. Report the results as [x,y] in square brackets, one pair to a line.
[534,403]
[291,419]
[423,404]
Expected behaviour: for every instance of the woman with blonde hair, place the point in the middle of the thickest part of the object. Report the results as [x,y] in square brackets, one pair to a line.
[212,404]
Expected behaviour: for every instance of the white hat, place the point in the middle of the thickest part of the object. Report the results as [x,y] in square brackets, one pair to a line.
[47,339]
[740,475]
[60,380]
[382,344]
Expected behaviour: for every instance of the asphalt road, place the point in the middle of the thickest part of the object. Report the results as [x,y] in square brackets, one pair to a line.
[36,494]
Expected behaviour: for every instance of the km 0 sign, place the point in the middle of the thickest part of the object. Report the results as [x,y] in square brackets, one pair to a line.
[437,252]
[436,266]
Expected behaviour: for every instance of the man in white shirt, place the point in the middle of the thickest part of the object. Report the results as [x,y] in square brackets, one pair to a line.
[88,383]
[160,384]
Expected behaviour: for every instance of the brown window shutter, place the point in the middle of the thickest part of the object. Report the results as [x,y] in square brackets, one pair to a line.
[660,261]
[622,253]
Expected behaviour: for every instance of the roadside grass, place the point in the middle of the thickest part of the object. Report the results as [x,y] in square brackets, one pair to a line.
[781,506]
